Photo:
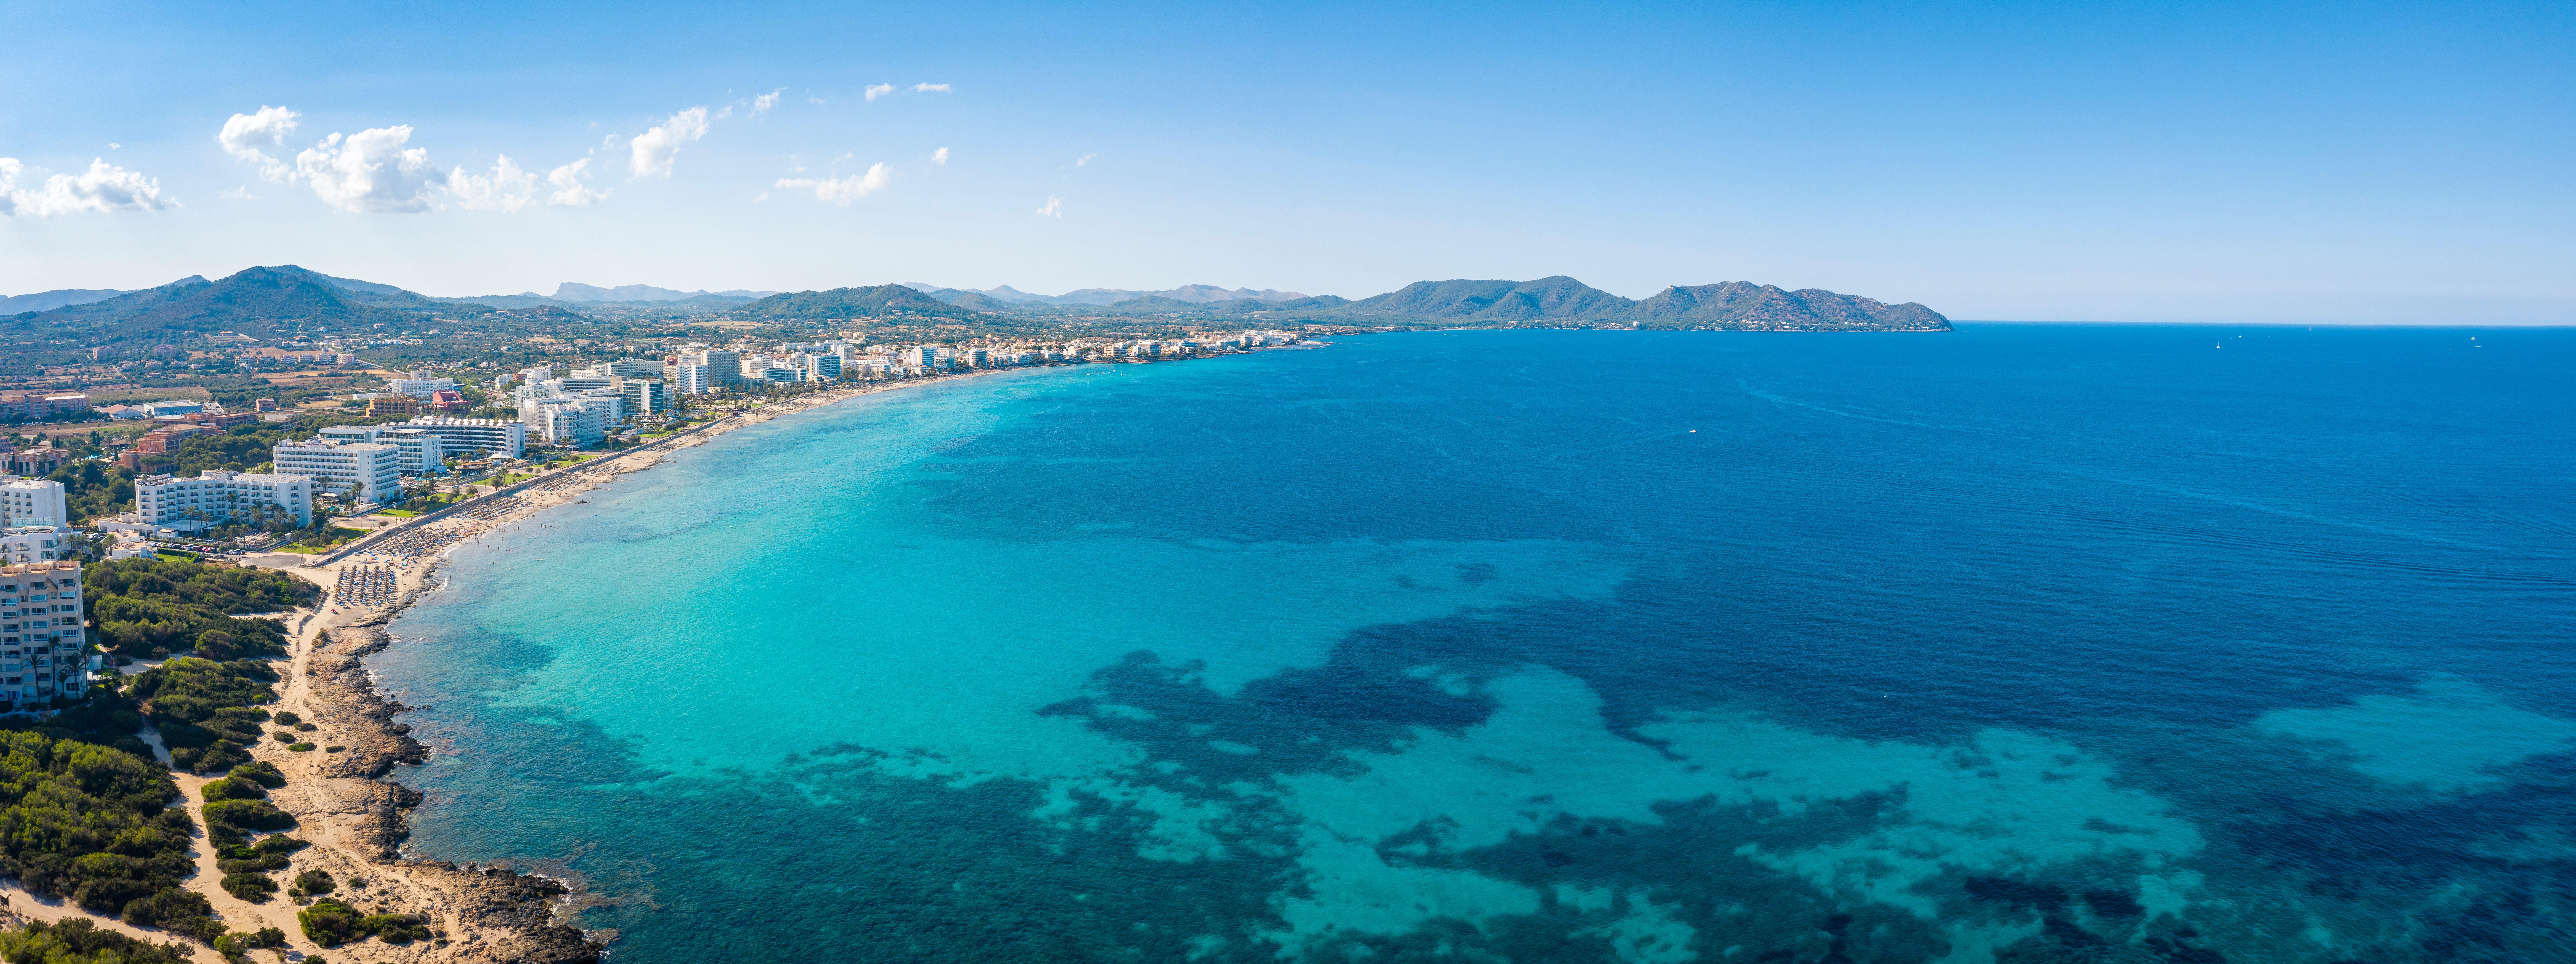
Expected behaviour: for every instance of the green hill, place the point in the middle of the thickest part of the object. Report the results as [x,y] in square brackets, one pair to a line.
[1748,306]
[1551,298]
[263,303]
[1561,301]
[881,301]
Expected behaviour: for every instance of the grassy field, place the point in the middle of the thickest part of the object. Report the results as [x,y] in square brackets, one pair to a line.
[340,537]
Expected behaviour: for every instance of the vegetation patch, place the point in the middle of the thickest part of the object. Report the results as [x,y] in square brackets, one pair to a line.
[331,923]
[152,608]
[81,941]
[91,824]
[206,711]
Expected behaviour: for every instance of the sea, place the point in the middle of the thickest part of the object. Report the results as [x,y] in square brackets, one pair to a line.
[2025,643]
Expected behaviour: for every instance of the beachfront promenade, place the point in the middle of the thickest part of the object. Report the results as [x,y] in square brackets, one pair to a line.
[557,478]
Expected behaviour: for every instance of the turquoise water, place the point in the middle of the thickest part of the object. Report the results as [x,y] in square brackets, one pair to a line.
[2030,643]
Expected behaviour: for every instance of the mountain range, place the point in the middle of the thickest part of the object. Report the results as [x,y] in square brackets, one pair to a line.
[1007,295]
[576,291]
[57,298]
[267,302]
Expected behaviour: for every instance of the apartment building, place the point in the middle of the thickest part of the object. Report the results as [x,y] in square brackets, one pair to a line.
[40,631]
[35,543]
[32,502]
[357,471]
[222,498]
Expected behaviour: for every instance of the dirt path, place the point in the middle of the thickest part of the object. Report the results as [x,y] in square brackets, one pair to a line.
[238,914]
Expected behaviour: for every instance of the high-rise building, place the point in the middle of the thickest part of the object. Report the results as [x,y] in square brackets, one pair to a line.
[32,502]
[645,396]
[464,436]
[635,368]
[357,471]
[218,498]
[40,631]
[724,368]
[695,379]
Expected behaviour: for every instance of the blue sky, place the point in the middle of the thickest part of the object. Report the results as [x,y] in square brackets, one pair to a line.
[2087,162]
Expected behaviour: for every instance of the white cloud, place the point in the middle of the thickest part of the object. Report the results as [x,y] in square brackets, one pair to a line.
[1054,208]
[115,146]
[847,189]
[877,90]
[1084,159]
[241,193]
[507,189]
[103,188]
[930,88]
[726,112]
[248,137]
[761,104]
[762,196]
[939,156]
[371,172]
[569,191]
[657,148]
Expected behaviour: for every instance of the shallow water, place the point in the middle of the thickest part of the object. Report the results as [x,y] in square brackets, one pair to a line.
[2150,643]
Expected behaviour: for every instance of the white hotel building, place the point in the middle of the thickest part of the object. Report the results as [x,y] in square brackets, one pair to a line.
[40,631]
[457,436]
[32,502]
[358,471]
[423,452]
[220,498]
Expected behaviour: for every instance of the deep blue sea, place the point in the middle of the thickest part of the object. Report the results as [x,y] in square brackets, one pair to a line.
[2020,643]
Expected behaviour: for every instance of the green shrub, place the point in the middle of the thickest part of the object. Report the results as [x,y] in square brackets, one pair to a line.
[260,772]
[329,923]
[315,882]
[288,717]
[281,844]
[257,863]
[300,747]
[232,789]
[395,928]
[253,887]
[248,815]
[81,941]
[306,727]
[179,911]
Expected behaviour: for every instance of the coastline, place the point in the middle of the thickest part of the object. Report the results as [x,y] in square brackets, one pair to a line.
[357,820]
